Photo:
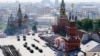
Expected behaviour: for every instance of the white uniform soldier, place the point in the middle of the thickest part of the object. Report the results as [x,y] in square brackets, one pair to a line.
[60,44]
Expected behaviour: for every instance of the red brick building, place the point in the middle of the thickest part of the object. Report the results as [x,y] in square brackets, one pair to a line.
[62,21]
[19,19]
[67,27]
[17,23]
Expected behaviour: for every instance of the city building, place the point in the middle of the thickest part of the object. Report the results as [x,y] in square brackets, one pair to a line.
[46,2]
[56,5]
[4,14]
[90,12]
[45,21]
[90,42]
[1,19]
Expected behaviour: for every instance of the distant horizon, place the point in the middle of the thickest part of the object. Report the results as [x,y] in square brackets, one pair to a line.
[35,1]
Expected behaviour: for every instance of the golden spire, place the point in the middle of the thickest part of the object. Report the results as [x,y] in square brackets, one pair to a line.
[72,5]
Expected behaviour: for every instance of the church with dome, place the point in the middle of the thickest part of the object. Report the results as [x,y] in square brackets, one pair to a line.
[17,23]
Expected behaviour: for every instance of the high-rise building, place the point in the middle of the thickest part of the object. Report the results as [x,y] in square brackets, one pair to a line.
[46,2]
[17,1]
[56,4]
[90,12]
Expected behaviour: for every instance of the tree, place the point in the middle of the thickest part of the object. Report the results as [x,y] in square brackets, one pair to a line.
[34,26]
[98,23]
[10,30]
[87,24]
[79,24]
[2,26]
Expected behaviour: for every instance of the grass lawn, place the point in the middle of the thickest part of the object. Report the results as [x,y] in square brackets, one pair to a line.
[2,26]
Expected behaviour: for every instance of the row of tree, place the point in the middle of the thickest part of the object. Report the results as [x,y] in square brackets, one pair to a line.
[85,24]
[88,24]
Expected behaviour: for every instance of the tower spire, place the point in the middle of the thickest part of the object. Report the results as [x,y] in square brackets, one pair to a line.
[72,6]
[19,9]
[62,1]
[19,14]
[62,10]
[72,15]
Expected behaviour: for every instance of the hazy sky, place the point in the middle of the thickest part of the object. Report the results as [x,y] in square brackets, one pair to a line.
[51,0]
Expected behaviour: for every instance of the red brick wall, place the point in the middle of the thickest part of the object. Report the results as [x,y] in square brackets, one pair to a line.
[55,28]
[62,22]
[72,31]
[72,44]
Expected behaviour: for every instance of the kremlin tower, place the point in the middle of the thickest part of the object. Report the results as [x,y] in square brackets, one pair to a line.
[66,27]
[72,29]
[62,21]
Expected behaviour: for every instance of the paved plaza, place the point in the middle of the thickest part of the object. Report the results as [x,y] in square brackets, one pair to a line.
[12,40]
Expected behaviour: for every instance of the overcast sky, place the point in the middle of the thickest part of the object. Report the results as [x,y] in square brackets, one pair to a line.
[51,0]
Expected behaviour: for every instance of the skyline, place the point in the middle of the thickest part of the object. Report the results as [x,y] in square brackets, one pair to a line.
[71,1]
